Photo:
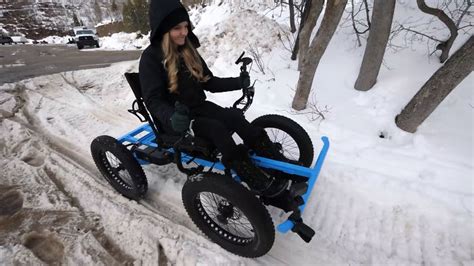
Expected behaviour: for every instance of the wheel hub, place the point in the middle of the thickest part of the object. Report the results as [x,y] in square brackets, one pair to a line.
[226,211]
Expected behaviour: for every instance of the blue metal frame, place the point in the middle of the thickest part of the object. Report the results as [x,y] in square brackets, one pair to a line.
[144,136]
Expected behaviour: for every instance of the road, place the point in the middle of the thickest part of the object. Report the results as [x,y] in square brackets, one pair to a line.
[18,62]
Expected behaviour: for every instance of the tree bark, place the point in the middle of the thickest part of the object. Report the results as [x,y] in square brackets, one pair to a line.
[433,92]
[292,16]
[312,16]
[304,17]
[446,45]
[310,55]
[382,16]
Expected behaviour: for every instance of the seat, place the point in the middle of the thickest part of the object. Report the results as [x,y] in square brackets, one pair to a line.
[195,146]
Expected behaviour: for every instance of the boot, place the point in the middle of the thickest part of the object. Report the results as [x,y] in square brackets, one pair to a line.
[264,147]
[253,176]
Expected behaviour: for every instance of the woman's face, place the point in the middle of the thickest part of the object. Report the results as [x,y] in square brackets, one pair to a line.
[179,32]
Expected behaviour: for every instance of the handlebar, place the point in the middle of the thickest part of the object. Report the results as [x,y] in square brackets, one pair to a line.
[245,62]
[247,93]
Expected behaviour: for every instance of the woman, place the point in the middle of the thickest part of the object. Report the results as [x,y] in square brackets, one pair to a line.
[173,77]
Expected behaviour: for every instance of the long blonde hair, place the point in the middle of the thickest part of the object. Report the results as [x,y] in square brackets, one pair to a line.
[171,61]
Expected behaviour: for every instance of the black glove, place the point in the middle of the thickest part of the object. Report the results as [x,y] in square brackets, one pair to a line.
[180,118]
[244,80]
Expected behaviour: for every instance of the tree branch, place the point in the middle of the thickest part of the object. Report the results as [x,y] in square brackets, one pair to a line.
[469,4]
[444,46]
[401,27]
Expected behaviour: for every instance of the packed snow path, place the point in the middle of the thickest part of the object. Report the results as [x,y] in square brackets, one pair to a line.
[364,208]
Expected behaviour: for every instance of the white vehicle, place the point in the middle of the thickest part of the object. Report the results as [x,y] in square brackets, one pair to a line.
[19,38]
[85,37]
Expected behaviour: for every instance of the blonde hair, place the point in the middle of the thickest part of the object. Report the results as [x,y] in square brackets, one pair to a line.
[191,58]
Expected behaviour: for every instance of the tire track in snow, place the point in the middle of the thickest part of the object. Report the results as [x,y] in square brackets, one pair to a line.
[364,231]
[69,152]
[92,197]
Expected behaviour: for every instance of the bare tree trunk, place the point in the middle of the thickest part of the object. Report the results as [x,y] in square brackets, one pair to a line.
[446,45]
[308,27]
[378,37]
[310,55]
[433,92]
[292,16]
[304,17]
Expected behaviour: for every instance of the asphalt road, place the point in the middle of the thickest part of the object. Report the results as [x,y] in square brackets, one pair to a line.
[18,62]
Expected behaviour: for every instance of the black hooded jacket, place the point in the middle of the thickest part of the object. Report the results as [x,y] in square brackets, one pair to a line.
[154,78]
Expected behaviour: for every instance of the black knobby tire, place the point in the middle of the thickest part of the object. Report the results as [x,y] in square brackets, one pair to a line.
[119,167]
[229,214]
[296,143]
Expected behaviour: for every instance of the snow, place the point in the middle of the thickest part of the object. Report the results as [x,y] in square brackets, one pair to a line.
[402,199]
[117,41]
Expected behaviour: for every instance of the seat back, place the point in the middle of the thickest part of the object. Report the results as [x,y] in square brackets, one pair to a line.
[133,80]
[138,106]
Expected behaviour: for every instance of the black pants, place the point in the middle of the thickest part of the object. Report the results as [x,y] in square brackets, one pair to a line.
[217,124]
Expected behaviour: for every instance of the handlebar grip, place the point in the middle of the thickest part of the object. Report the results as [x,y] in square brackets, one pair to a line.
[240,58]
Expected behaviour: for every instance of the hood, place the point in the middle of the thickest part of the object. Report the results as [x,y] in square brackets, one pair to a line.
[162,13]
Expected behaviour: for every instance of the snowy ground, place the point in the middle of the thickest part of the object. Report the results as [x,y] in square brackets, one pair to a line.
[117,41]
[402,199]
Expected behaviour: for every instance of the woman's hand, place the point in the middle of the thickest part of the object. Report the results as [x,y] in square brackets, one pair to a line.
[244,80]
[180,119]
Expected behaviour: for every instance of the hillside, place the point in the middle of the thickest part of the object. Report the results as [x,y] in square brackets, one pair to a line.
[39,19]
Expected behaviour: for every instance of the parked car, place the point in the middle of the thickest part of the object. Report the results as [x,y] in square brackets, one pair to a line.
[19,38]
[5,39]
[85,37]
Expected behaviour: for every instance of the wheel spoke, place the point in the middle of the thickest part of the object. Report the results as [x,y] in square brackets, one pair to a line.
[289,146]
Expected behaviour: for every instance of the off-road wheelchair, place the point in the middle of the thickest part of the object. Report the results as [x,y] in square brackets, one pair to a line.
[221,206]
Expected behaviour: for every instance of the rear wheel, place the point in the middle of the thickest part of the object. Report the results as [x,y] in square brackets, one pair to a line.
[293,140]
[229,215]
[119,167]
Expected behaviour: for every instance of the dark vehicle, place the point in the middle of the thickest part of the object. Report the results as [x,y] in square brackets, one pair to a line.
[5,39]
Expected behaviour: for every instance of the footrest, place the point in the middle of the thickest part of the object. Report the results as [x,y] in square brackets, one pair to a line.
[284,201]
[304,231]
[153,155]
[298,189]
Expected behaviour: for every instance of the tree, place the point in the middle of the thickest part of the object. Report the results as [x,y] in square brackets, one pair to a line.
[379,33]
[114,7]
[291,5]
[441,83]
[444,46]
[311,53]
[135,16]
[76,20]
[457,17]
[97,11]
[356,22]
[113,10]
[304,16]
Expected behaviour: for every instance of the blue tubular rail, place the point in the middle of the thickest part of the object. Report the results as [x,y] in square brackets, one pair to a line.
[313,176]
[143,135]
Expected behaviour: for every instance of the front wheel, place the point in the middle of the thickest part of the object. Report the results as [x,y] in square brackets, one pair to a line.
[229,215]
[293,140]
[119,167]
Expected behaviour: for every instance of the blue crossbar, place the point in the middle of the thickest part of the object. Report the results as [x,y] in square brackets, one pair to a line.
[143,135]
[313,176]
